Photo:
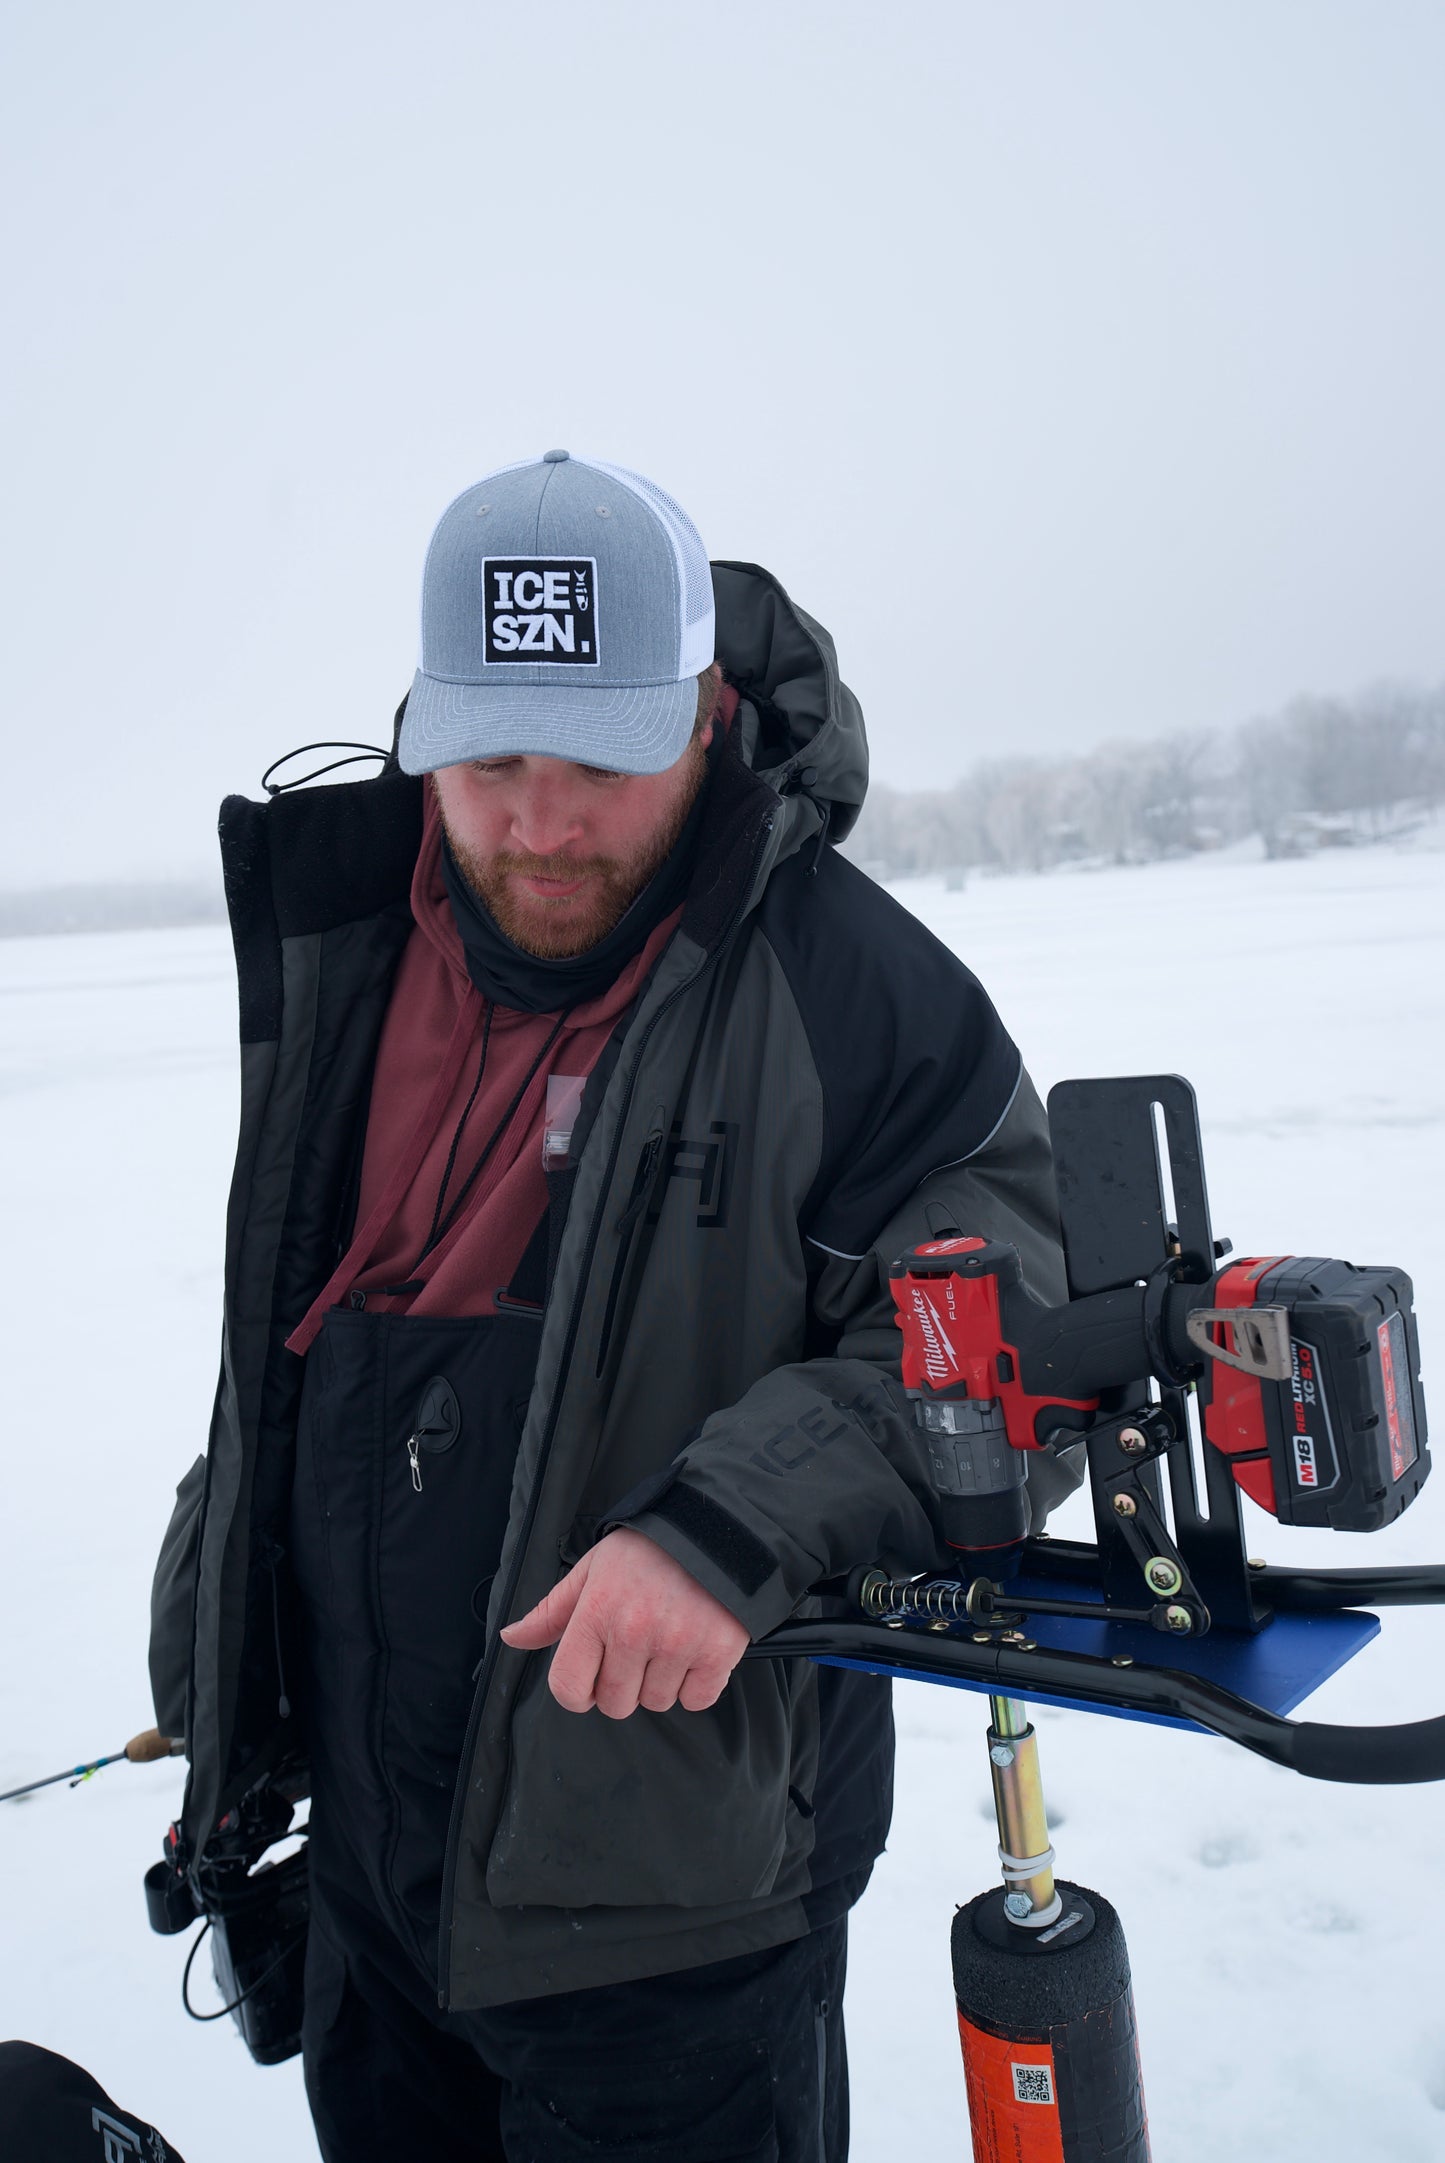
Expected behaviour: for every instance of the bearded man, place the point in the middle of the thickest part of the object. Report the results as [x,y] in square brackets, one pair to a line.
[588,1093]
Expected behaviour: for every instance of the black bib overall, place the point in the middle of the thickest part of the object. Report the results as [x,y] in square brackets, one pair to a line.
[405,1452]
[400,1505]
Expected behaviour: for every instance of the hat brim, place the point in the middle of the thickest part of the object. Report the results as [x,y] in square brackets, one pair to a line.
[643,729]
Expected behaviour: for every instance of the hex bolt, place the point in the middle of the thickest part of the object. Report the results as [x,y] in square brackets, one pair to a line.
[1179,1620]
[1131,1442]
[1162,1575]
[1122,1659]
[1125,1506]
[983,1637]
[1001,1754]
[1018,1904]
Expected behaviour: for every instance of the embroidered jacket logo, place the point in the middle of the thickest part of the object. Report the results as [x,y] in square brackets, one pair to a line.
[540,609]
[122,2143]
[711,1164]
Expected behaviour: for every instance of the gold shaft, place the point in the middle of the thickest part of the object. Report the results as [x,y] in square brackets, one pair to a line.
[1023,1826]
[1008,1716]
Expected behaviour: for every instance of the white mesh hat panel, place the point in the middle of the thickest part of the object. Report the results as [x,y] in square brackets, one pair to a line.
[694,573]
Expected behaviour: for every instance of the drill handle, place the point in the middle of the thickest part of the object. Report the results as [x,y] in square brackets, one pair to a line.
[1073,1352]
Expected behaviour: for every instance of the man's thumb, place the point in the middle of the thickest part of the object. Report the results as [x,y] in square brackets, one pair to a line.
[551,1615]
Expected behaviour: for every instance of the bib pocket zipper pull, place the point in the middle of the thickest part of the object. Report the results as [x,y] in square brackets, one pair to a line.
[437,1424]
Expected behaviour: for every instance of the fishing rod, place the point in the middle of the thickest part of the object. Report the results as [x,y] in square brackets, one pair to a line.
[143,1749]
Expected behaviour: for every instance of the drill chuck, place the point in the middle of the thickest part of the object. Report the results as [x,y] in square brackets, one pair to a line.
[978,1476]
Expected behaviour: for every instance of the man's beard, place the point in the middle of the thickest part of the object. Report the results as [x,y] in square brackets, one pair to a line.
[556,930]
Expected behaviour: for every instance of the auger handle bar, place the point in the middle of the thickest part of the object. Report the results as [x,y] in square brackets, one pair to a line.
[1408,1753]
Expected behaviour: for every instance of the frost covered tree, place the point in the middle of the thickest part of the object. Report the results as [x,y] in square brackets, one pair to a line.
[1320,768]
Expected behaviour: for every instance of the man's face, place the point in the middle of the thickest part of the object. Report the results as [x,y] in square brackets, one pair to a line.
[558,852]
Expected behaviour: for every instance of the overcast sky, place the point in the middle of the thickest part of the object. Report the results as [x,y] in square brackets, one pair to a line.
[1080,365]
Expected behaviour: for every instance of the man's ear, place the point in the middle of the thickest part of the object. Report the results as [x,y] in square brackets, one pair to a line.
[709,686]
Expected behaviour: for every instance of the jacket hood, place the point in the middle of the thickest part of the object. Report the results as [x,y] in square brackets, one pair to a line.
[799,727]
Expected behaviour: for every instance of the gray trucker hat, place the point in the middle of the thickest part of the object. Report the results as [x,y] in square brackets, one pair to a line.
[566,610]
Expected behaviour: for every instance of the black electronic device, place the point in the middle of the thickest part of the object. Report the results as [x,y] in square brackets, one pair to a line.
[255,1915]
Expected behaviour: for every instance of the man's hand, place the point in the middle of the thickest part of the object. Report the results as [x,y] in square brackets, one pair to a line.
[632,1628]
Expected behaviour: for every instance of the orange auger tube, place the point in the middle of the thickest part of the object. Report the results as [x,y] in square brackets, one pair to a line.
[1041,1978]
[1047,2026]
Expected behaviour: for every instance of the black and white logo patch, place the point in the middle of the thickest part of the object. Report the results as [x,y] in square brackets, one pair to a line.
[540,608]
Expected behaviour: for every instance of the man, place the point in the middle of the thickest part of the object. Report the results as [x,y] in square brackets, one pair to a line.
[587,1095]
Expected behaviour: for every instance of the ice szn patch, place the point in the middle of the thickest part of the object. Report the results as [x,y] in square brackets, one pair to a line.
[540,608]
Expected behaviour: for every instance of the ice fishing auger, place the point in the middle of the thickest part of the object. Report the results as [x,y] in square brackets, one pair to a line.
[1294,1381]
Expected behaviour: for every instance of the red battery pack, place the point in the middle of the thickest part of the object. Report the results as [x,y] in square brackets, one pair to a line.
[1340,1442]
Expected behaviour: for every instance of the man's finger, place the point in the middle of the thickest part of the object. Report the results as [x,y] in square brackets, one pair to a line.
[572,1677]
[549,1618]
[704,1685]
[661,1684]
[618,1687]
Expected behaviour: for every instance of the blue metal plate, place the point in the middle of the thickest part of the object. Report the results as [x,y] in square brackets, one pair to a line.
[1278,1668]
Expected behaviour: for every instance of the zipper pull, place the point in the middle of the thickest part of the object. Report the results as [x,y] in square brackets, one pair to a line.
[412,1446]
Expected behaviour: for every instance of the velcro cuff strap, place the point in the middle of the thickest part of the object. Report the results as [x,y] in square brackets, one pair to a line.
[721,1538]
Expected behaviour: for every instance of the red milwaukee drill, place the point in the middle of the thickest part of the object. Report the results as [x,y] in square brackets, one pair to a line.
[1307,1372]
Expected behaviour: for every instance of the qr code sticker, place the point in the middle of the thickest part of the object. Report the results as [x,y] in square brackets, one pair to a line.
[1032,2083]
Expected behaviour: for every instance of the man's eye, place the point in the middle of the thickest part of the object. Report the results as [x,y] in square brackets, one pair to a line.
[603,773]
[491,766]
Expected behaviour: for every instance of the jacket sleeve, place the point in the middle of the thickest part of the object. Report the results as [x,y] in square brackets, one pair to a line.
[821,1466]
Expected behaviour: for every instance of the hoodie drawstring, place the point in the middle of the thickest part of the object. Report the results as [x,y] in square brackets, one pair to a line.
[271,1555]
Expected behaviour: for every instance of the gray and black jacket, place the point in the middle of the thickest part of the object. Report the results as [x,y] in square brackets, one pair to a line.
[808,1084]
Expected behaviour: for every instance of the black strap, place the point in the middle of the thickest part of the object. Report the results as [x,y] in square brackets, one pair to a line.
[441,1223]
[434,1234]
[528,1285]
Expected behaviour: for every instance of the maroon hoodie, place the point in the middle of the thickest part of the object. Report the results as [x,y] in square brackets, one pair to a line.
[426,1068]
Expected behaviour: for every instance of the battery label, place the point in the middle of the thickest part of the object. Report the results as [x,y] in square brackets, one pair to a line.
[1013,2098]
[1399,1411]
[1311,1443]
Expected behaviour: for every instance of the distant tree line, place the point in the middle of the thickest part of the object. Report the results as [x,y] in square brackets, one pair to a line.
[1321,772]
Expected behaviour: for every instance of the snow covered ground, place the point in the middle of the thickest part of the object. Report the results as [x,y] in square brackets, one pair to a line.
[1285,1935]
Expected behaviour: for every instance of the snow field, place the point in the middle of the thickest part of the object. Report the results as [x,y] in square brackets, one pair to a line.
[1283,1932]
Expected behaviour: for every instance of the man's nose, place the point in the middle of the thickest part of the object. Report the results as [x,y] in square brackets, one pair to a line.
[546,818]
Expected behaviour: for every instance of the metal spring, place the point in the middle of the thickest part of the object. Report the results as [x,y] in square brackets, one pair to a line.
[931,1599]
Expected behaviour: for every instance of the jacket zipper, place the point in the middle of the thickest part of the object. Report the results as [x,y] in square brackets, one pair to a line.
[574,1323]
[627,1229]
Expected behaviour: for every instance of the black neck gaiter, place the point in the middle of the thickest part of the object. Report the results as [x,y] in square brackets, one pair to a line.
[509,976]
